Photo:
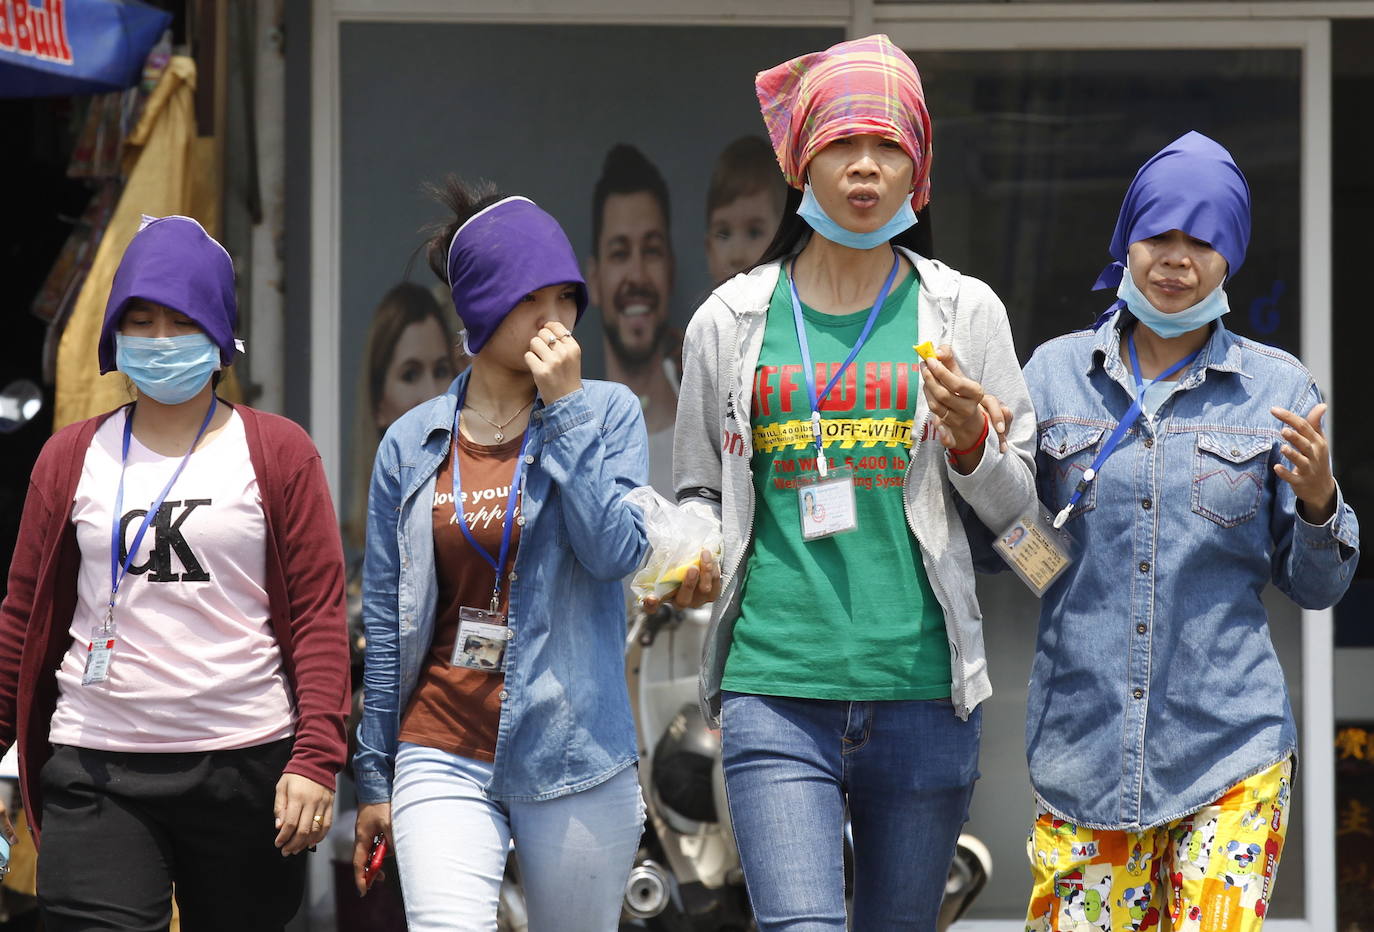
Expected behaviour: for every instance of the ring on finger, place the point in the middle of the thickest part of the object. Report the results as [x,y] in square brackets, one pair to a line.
[552,340]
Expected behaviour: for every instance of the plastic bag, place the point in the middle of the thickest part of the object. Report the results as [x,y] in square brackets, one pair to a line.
[676,540]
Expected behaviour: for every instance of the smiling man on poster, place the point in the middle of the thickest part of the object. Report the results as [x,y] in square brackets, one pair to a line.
[630,278]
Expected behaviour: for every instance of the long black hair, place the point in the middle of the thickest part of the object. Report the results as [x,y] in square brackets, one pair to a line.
[793,231]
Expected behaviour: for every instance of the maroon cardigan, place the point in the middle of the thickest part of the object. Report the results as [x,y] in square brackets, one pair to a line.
[305,594]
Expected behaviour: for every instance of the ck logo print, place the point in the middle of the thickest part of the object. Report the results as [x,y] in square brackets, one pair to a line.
[168,538]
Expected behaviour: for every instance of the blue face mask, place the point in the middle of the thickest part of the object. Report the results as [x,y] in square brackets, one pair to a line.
[167,369]
[1177,324]
[812,212]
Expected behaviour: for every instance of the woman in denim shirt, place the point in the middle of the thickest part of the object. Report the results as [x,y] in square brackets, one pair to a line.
[1159,732]
[495,706]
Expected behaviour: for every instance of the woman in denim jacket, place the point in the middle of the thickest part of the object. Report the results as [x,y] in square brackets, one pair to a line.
[1159,732]
[495,705]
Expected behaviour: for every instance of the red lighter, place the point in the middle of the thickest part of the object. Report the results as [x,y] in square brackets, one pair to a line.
[374,861]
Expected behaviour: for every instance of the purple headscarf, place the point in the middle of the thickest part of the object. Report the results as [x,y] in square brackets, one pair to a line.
[172,261]
[499,255]
[1192,185]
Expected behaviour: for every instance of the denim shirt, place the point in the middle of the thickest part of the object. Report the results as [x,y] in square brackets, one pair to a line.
[565,720]
[1155,686]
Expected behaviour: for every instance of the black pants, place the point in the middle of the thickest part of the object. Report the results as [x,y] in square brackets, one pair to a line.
[120,829]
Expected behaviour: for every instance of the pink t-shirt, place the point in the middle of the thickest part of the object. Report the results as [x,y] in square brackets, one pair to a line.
[196,666]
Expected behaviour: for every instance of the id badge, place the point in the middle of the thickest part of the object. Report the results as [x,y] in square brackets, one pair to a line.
[827,505]
[99,652]
[481,643]
[1037,550]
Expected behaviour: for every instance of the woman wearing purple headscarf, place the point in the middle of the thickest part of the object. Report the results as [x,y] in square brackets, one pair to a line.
[495,707]
[1191,469]
[172,641]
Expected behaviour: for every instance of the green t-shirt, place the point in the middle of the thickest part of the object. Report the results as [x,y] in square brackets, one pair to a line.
[850,616]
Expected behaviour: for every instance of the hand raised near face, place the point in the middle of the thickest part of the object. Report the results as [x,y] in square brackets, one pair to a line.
[555,361]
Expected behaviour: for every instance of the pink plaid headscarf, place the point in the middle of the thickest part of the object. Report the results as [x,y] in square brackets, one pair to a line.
[861,86]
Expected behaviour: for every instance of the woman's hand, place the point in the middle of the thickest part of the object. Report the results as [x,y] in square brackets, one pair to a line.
[700,586]
[1310,471]
[373,819]
[1000,416]
[957,401]
[304,812]
[555,361]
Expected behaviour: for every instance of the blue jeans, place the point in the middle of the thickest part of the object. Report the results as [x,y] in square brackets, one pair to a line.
[906,769]
[452,840]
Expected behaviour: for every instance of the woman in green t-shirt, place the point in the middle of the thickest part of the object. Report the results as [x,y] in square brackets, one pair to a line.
[847,640]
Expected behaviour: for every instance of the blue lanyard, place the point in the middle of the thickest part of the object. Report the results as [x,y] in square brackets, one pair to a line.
[498,561]
[1132,415]
[809,371]
[117,570]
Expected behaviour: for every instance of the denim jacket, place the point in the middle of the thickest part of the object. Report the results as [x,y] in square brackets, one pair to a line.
[565,719]
[1155,686]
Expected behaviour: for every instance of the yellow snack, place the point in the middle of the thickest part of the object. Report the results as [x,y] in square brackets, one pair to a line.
[677,574]
[926,350]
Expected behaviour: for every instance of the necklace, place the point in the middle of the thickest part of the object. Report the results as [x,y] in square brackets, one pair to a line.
[499,435]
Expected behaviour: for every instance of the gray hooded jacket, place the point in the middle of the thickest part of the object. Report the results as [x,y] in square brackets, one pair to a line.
[713,449]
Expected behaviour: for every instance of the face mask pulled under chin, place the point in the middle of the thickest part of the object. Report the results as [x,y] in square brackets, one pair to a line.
[1165,325]
[815,216]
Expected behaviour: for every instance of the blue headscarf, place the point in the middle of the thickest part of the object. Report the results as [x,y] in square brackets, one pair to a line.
[1193,185]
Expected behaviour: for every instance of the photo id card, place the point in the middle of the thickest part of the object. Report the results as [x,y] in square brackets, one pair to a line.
[99,653]
[481,643]
[1036,549]
[827,505]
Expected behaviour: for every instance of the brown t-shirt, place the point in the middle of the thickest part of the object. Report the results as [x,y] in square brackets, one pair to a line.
[457,709]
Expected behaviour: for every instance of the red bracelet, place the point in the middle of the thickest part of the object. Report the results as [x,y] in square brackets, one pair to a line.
[977,443]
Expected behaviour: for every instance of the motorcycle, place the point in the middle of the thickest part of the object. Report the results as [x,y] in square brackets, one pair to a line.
[687,875]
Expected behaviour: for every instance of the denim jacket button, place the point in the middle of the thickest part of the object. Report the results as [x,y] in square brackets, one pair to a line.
[529,459]
[1139,694]
[1144,566]
[510,634]
[520,520]
[503,695]
[1140,629]
[1149,442]
[1146,504]
[512,576]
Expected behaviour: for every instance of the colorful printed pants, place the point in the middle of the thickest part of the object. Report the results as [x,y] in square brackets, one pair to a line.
[1212,870]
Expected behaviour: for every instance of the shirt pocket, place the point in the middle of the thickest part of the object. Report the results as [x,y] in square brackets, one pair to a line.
[1228,477]
[1067,452]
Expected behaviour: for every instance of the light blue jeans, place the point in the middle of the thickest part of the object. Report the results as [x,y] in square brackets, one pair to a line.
[905,769]
[575,851]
